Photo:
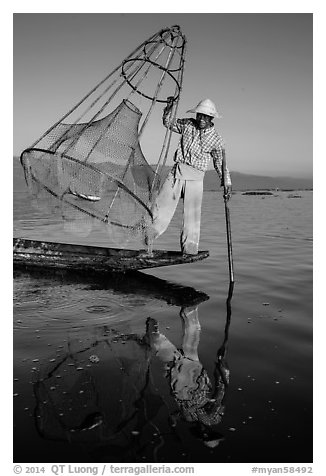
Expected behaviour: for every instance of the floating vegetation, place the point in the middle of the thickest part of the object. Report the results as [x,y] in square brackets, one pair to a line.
[258,193]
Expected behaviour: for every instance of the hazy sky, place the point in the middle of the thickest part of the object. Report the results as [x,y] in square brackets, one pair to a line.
[257,68]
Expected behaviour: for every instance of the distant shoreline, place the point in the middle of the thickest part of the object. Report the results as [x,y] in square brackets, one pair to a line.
[246,182]
[263,191]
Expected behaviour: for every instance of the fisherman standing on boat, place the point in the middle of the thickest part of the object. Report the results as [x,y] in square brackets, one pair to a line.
[199,143]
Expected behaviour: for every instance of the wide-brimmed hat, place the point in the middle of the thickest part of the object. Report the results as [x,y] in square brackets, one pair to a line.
[206,106]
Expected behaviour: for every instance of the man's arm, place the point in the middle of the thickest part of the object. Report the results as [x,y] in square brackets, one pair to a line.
[175,125]
[217,155]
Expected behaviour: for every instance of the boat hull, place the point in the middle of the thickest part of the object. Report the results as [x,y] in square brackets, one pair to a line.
[33,253]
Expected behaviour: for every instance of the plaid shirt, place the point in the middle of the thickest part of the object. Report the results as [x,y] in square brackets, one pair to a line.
[196,146]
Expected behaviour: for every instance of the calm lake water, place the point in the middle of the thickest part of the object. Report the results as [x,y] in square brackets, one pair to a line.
[116,369]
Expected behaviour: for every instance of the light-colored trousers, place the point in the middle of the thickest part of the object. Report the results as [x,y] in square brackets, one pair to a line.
[166,203]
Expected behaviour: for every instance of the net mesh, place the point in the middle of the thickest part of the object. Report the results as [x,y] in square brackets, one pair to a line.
[89,167]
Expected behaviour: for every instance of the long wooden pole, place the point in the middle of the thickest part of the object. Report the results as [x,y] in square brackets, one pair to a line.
[227,219]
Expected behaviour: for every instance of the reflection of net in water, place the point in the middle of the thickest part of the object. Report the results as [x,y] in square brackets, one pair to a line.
[75,402]
[89,167]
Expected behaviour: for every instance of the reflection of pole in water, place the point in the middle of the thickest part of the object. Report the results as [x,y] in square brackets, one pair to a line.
[221,371]
[221,353]
[210,437]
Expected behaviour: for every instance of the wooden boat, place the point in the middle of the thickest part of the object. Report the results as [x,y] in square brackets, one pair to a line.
[33,253]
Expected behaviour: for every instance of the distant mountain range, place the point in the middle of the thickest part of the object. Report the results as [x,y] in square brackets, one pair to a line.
[243,182]
[257,182]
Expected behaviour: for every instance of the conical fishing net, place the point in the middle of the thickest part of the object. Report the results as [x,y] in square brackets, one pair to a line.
[89,167]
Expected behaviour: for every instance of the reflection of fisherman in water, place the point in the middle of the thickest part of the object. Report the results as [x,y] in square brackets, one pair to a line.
[106,397]
[199,402]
